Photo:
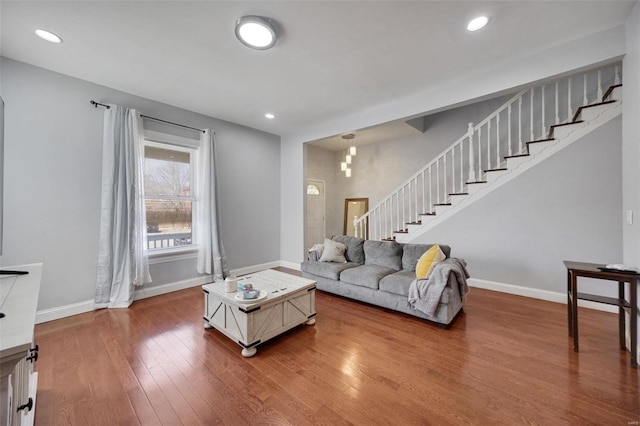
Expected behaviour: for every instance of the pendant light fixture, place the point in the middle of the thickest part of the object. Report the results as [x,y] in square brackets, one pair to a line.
[345,165]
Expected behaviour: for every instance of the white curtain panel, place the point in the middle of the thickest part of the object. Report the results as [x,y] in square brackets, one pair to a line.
[122,252]
[207,230]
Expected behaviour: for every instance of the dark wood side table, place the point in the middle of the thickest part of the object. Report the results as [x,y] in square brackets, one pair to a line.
[591,270]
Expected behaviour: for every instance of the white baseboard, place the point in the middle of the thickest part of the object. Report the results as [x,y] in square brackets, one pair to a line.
[255,268]
[144,293]
[59,312]
[290,265]
[551,296]
[51,314]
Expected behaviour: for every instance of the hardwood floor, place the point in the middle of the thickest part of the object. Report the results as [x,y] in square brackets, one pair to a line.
[507,360]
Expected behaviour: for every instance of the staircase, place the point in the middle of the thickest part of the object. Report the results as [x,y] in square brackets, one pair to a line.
[527,129]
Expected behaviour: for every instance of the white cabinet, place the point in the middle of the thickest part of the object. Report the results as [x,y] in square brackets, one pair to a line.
[18,381]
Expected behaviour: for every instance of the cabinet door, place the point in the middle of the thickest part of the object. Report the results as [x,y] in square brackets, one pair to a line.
[215,311]
[298,309]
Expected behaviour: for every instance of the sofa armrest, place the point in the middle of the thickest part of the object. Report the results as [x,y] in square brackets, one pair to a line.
[313,256]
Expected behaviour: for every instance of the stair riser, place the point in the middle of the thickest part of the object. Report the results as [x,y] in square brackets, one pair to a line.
[564,131]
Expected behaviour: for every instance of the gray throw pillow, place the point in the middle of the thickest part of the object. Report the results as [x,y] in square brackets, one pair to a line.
[333,252]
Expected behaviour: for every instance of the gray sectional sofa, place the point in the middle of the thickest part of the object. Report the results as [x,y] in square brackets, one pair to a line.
[380,273]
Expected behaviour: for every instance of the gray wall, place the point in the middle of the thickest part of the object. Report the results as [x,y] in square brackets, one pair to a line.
[566,208]
[53,150]
[631,136]
[379,168]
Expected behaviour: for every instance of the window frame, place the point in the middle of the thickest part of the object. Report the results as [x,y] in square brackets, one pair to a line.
[176,143]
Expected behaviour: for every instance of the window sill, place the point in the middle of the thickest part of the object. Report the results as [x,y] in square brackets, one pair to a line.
[172,254]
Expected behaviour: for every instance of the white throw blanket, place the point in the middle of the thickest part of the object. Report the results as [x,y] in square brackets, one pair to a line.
[425,294]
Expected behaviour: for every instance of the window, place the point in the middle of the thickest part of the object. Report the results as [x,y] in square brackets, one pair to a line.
[168,177]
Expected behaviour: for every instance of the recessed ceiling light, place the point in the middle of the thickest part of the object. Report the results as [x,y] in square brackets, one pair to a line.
[49,36]
[269,116]
[256,32]
[477,23]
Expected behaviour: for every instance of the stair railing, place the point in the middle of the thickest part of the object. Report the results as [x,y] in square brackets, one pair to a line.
[525,117]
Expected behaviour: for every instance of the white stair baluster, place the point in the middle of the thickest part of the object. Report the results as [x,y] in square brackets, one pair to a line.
[489,145]
[585,101]
[438,181]
[570,109]
[415,206]
[430,191]
[557,110]
[616,80]
[479,153]
[520,125]
[543,127]
[498,141]
[461,166]
[509,130]
[424,194]
[453,169]
[472,160]
[599,86]
[531,124]
[403,219]
[444,177]
[397,227]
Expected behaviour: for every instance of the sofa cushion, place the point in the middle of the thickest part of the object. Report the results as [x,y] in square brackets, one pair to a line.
[326,269]
[333,251]
[399,283]
[411,253]
[387,254]
[355,250]
[365,275]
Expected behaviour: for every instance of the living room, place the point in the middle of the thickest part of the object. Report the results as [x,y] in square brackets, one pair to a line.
[53,153]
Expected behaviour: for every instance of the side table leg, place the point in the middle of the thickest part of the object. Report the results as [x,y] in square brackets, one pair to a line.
[634,322]
[569,305]
[621,315]
[574,310]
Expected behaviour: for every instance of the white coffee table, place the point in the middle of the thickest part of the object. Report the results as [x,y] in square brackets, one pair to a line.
[287,301]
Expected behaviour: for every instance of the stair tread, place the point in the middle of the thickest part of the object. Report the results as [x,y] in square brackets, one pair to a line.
[541,140]
[517,156]
[414,223]
[442,204]
[610,90]
[496,170]
[478,181]
[427,214]
[577,114]
[458,193]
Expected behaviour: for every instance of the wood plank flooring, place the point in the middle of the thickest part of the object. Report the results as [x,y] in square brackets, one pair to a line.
[507,360]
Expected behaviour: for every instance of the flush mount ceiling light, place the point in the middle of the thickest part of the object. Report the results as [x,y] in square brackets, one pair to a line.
[477,23]
[256,32]
[49,36]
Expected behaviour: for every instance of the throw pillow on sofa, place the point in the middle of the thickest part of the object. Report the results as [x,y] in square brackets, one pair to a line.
[333,252]
[428,261]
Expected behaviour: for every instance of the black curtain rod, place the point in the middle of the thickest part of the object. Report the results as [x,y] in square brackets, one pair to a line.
[169,122]
[96,104]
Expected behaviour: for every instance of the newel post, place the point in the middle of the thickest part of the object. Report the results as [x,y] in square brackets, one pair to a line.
[472,161]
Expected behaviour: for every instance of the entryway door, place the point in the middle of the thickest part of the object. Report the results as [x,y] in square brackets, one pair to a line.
[315,226]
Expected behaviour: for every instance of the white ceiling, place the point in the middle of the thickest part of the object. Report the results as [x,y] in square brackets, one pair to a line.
[332,58]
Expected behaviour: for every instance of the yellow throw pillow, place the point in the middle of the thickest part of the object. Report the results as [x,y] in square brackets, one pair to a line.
[428,261]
